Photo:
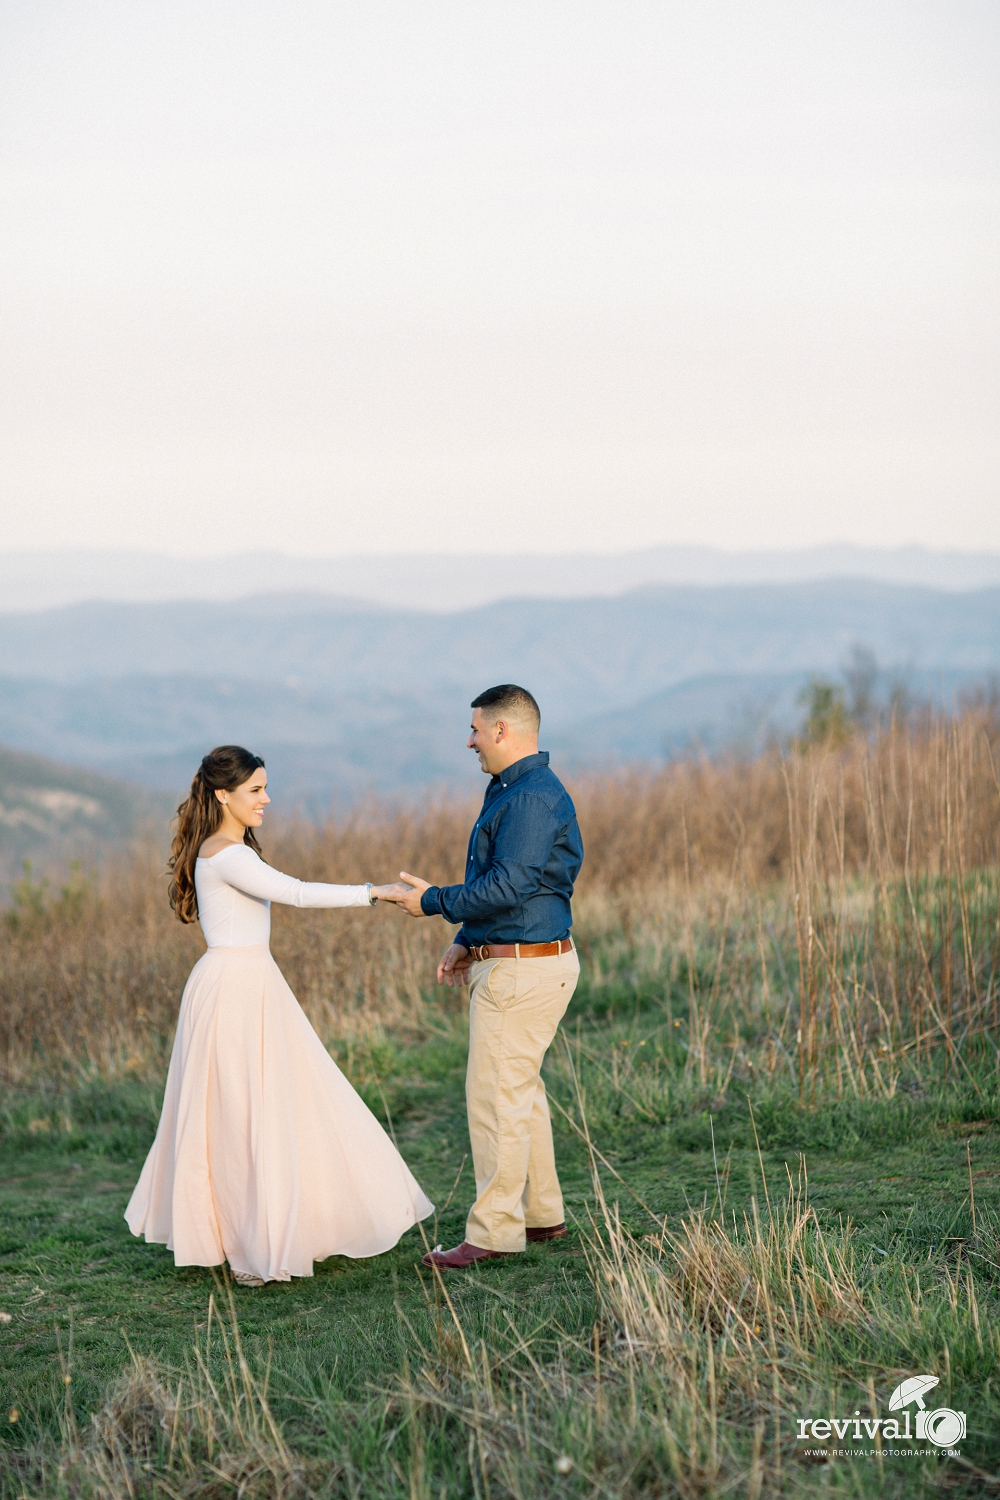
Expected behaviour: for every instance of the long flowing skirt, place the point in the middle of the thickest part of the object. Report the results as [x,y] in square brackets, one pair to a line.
[265,1156]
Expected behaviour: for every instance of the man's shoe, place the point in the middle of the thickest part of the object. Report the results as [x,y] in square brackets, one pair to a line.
[463,1256]
[539,1236]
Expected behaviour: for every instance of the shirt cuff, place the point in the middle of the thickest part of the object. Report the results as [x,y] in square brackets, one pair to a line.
[430,902]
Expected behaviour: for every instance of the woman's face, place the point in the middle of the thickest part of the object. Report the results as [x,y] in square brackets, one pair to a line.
[247,802]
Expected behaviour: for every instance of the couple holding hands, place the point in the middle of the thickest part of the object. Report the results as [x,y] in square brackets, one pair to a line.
[265,1155]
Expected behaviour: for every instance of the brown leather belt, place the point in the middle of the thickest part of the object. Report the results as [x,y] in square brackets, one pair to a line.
[520,950]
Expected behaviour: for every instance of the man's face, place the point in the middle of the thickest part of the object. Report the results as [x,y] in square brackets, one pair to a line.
[494,743]
[498,742]
[483,739]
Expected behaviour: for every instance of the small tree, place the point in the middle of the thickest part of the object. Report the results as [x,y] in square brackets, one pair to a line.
[827,719]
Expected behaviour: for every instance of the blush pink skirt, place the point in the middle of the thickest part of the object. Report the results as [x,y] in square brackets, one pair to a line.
[265,1155]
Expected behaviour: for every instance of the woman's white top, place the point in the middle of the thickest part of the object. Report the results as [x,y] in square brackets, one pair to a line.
[235,889]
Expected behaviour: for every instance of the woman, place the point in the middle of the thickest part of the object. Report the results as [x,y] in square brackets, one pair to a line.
[265,1156]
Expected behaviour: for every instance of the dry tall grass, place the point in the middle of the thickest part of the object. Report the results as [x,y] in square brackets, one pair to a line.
[832,912]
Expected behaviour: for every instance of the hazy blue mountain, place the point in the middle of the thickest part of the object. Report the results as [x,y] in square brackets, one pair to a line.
[319,745]
[734,712]
[42,580]
[581,655]
[723,710]
[323,748]
[52,813]
[342,698]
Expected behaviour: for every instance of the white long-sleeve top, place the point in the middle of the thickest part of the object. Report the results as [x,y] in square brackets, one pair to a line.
[235,889]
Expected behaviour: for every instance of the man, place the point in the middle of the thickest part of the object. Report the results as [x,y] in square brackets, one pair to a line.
[515,951]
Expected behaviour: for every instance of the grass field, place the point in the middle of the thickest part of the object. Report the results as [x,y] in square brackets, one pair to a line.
[368,1374]
[778,1124]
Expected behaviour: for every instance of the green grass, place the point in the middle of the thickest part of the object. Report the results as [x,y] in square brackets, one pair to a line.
[348,1349]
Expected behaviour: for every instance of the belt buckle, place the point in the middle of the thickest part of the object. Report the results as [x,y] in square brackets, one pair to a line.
[479,952]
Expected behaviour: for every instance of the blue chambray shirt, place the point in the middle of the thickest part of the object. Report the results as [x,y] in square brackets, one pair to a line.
[525,852]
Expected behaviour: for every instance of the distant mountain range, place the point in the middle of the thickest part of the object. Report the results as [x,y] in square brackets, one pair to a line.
[340,697]
[44,580]
[579,655]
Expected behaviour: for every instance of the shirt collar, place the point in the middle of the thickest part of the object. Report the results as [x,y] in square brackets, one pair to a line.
[519,767]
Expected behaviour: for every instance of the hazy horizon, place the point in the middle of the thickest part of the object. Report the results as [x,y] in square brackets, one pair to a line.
[439,581]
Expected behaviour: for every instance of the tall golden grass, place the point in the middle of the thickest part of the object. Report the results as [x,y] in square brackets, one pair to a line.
[834,912]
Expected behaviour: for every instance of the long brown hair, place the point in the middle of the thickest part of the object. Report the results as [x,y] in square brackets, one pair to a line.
[199,815]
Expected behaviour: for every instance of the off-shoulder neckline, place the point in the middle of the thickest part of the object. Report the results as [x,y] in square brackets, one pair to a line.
[206,859]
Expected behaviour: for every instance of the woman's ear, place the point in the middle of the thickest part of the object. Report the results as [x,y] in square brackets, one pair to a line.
[220,796]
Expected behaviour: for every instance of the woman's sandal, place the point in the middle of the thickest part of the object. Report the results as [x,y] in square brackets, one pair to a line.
[245,1278]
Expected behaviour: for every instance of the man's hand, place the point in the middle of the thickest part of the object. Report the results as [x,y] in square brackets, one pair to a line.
[454,967]
[410,901]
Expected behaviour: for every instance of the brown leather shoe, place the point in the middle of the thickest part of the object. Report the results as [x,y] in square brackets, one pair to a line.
[463,1256]
[538,1236]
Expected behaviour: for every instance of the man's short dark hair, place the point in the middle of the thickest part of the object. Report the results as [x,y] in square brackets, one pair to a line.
[508,701]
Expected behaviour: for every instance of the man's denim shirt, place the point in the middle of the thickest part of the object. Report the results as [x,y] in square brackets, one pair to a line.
[525,852]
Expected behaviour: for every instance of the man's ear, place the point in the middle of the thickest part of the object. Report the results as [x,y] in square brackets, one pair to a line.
[501,729]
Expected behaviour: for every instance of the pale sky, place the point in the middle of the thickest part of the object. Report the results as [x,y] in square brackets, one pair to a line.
[394,277]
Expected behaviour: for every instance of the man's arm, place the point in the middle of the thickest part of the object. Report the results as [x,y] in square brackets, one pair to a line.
[521,849]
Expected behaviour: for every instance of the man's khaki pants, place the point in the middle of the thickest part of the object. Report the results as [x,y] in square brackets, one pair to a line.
[516,1005]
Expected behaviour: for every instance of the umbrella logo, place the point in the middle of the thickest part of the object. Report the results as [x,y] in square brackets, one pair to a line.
[913,1389]
[942,1427]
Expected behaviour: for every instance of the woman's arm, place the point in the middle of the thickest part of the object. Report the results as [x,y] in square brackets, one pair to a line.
[241,868]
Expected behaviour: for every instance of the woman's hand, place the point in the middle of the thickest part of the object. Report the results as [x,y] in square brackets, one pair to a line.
[390,892]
